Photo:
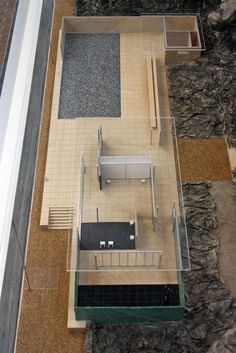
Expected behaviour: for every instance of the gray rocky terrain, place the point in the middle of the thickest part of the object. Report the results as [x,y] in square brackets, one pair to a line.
[205,106]
[227,344]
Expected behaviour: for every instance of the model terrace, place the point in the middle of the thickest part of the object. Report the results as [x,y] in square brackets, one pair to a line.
[112,175]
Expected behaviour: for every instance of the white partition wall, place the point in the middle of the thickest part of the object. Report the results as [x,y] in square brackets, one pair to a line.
[125,167]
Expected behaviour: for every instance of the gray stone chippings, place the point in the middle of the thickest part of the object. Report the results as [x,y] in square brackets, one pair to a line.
[91,76]
[210,308]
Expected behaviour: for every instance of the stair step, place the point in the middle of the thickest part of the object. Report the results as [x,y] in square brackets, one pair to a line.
[61,217]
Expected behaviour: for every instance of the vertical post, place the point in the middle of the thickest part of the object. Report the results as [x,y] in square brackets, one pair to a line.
[95,261]
[153,172]
[97,214]
[99,138]
[154,216]
[151,130]
[160,258]
[99,171]
[100,183]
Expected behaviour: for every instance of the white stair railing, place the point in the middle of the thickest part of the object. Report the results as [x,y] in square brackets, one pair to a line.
[124,259]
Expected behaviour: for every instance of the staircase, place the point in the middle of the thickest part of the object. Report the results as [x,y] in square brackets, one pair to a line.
[61,217]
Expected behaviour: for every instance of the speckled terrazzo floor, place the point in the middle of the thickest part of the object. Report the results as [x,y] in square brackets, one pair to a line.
[90,84]
[204,160]
[43,315]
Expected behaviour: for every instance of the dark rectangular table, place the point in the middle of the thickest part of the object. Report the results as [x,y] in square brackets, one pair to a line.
[118,232]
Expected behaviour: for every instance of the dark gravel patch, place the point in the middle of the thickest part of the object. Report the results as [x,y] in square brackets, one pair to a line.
[91,76]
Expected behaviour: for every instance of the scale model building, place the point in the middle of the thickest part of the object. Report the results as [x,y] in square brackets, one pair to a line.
[112,175]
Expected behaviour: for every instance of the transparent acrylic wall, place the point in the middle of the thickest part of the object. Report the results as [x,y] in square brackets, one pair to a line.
[130,201]
[135,133]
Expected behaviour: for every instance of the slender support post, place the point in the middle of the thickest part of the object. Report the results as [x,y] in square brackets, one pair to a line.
[97,214]
[153,172]
[95,261]
[99,140]
[160,258]
[100,183]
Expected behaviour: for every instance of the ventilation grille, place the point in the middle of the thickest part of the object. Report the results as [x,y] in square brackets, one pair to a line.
[61,217]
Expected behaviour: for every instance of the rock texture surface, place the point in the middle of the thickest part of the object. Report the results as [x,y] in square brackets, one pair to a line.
[224,195]
[205,105]
[226,345]
[137,7]
[223,17]
[210,307]
[202,96]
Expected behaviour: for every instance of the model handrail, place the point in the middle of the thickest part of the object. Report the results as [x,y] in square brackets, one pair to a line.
[153,196]
[80,195]
[176,234]
[127,258]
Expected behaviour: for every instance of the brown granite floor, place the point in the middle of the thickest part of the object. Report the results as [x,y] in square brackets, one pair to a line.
[6,15]
[43,316]
[204,160]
